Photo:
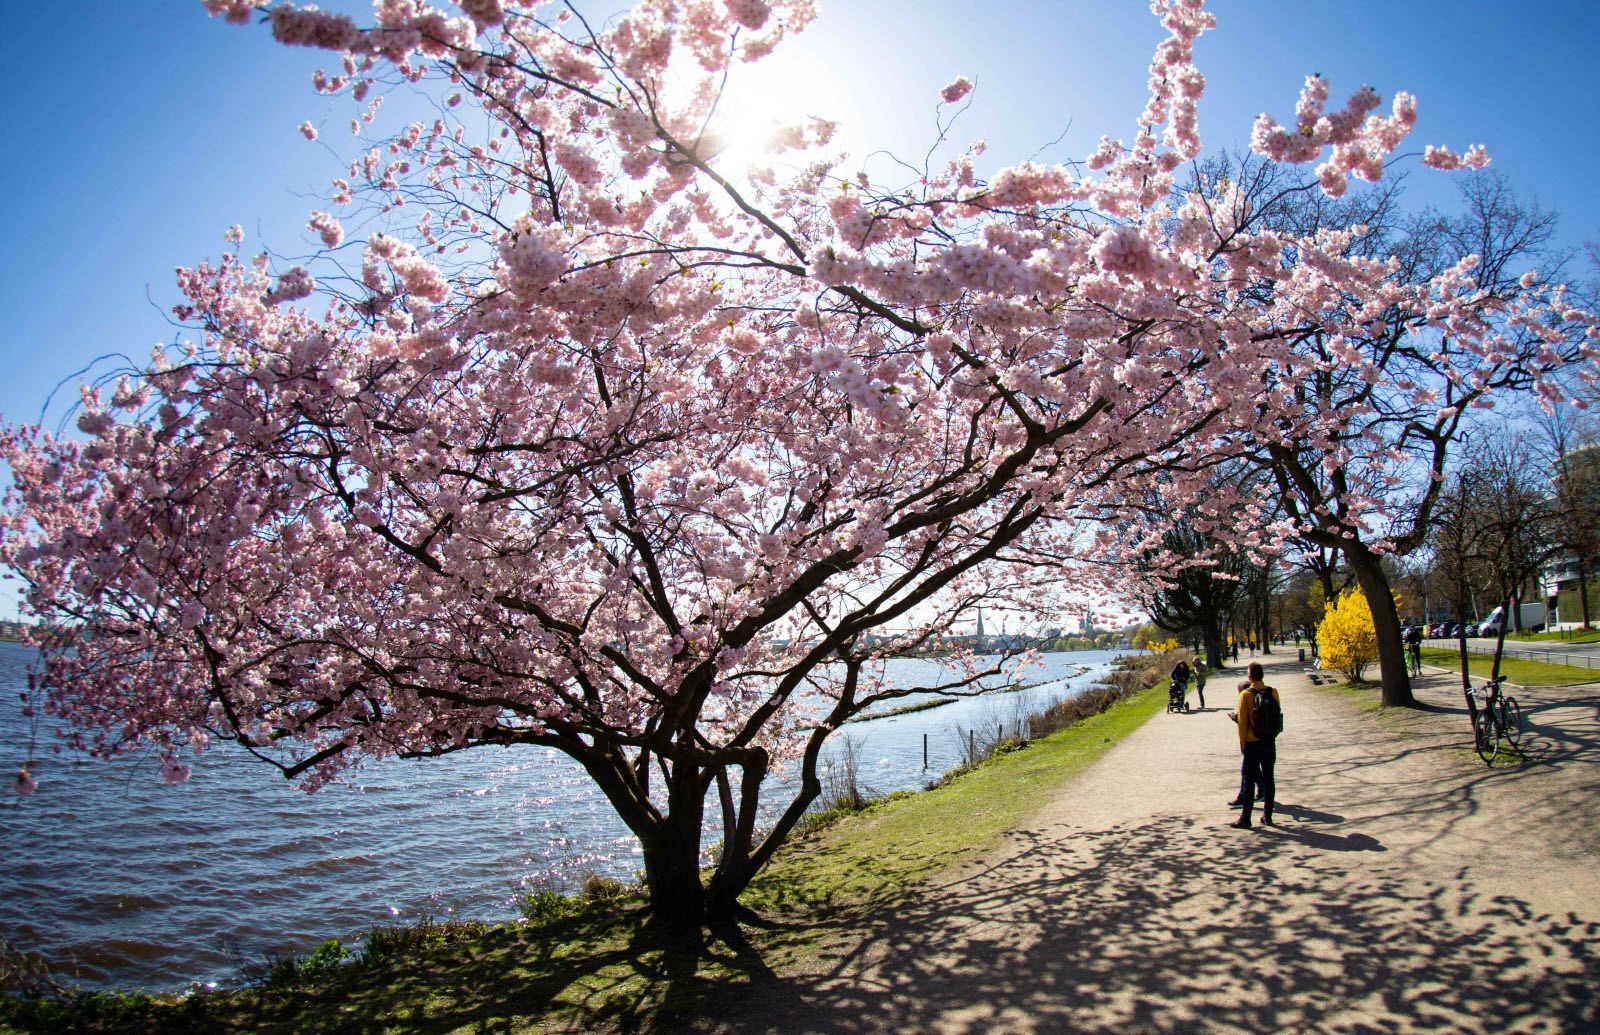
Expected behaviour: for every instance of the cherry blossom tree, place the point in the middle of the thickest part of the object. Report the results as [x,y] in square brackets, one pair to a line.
[573,437]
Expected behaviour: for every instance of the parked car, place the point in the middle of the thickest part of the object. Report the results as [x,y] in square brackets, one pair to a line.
[1533,619]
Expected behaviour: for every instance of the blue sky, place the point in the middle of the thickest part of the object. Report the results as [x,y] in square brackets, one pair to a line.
[143,133]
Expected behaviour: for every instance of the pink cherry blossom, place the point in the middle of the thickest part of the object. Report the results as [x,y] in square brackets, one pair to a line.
[486,14]
[327,227]
[752,14]
[173,772]
[293,284]
[956,90]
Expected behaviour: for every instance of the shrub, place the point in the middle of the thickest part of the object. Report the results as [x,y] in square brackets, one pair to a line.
[295,971]
[544,904]
[1346,636]
[402,942]
[841,778]
[598,890]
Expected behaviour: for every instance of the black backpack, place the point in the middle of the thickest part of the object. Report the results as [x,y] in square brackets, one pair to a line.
[1266,715]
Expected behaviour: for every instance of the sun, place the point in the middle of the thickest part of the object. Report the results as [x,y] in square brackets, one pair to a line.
[766,97]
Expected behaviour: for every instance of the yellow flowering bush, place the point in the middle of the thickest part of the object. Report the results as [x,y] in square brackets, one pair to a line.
[1346,635]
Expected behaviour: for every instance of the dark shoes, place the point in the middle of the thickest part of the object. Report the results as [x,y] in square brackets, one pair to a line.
[1236,804]
[1240,824]
[1266,821]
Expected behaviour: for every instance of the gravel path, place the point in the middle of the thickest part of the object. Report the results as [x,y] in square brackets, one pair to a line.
[1407,888]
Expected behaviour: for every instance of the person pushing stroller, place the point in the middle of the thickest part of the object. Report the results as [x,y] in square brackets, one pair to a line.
[1178,690]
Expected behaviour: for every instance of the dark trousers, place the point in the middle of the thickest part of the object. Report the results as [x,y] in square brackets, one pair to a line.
[1259,758]
[1200,688]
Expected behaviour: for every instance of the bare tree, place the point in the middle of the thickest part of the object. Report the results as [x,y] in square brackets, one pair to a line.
[1453,543]
[1569,443]
[1516,511]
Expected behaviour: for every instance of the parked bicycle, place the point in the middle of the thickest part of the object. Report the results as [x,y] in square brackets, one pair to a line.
[1495,717]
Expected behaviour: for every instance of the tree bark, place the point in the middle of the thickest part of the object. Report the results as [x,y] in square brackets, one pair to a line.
[1393,675]
[1211,635]
[672,861]
[1500,639]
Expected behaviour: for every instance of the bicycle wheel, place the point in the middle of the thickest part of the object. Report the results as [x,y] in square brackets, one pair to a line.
[1510,720]
[1485,736]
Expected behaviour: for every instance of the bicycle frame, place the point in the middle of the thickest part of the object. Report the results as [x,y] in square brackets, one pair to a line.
[1489,691]
[1489,722]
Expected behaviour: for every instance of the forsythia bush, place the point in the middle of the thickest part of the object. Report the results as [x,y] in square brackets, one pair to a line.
[1346,636]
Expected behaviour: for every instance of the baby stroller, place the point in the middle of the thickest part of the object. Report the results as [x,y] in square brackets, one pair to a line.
[1178,696]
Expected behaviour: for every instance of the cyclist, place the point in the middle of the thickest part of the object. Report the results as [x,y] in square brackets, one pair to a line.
[1414,648]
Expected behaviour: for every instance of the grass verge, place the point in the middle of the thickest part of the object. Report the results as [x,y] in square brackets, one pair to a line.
[1558,636]
[867,855]
[597,966]
[1521,671]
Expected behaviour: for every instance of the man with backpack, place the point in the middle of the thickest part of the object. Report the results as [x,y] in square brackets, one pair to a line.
[1260,720]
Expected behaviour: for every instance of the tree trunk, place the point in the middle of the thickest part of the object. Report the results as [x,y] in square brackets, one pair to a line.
[672,857]
[1394,677]
[1211,635]
[1500,640]
[1583,589]
[734,871]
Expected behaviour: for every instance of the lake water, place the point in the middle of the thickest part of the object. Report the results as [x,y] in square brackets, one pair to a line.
[122,882]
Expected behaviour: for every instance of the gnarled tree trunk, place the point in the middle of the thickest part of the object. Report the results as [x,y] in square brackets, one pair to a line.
[1393,675]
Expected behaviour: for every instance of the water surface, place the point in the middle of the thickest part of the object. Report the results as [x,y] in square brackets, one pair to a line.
[124,882]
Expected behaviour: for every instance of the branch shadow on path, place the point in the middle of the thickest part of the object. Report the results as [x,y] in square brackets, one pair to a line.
[1152,929]
[1365,910]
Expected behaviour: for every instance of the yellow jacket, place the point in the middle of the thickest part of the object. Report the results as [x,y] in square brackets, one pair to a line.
[1247,710]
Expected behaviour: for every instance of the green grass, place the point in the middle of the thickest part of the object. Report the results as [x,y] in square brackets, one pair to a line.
[1518,670]
[595,965]
[1567,636]
[868,855]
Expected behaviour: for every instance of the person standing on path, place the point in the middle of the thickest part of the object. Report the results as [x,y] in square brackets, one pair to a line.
[1245,790]
[1200,679]
[1257,721]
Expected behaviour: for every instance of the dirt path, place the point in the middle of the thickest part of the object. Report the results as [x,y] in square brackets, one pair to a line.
[1407,888]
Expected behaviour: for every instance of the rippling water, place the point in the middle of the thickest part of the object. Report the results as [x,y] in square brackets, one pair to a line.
[123,882]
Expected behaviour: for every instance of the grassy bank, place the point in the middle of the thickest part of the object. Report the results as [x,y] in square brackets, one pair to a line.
[1518,670]
[595,965]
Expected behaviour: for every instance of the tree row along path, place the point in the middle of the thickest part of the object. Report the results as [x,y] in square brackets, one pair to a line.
[1407,888]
